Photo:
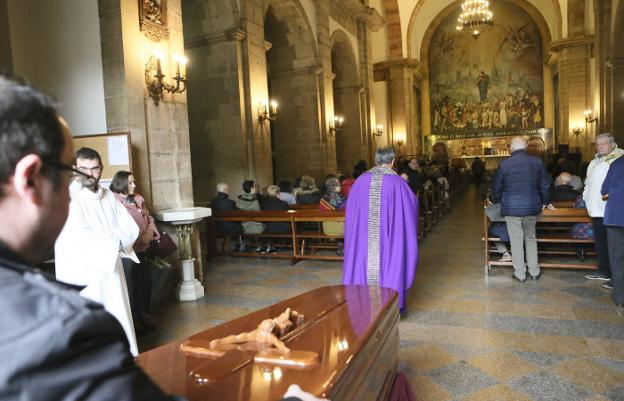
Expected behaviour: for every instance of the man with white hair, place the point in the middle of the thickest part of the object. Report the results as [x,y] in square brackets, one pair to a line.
[522,186]
[606,153]
[227,228]
[563,190]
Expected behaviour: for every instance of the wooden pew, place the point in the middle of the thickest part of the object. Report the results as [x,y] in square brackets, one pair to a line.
[296,237]
[561,215]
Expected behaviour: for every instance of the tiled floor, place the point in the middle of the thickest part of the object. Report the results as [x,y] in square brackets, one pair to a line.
[466,336]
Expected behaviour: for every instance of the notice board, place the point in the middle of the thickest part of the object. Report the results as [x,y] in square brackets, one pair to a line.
[114,148]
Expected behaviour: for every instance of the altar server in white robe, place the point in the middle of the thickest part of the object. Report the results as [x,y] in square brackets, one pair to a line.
[98,233]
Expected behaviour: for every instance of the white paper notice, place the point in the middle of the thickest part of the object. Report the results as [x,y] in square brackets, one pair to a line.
[118,151]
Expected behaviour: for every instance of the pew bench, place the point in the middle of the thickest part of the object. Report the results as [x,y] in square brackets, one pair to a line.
[556,237]
[297,239]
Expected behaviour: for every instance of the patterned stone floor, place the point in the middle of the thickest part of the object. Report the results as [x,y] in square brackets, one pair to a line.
[466,336]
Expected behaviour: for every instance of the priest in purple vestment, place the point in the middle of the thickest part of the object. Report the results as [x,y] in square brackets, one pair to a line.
[381,245]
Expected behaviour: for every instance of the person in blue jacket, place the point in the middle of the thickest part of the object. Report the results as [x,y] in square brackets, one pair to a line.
[522,186]
[613,192]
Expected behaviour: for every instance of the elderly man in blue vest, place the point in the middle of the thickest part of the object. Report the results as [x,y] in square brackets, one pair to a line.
[522,186]
[613,192]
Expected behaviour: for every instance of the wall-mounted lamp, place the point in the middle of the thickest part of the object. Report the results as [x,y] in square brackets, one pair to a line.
[589,117]
[267,113]
[577,130]
[378,130]
[154,77]
[399,144]
[335,125]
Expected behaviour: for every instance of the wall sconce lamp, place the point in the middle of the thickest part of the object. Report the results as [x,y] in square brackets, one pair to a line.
[589,118]
[378,130]
[267,113]
[399,144]
[154,77]
[576,130]
[335,125]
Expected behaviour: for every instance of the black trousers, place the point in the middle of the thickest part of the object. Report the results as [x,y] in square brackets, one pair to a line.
[602,247]
[139,282]
[615,236]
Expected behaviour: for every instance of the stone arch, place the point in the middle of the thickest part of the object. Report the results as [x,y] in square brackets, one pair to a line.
[533,12]
[292,74]
[546,39]
[545,31]
[350,142]
[202,17]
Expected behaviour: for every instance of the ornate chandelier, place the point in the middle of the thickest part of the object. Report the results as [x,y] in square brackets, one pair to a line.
[475,17]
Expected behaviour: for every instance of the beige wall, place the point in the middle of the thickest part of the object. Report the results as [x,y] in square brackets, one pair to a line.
[159,132]
[46,52]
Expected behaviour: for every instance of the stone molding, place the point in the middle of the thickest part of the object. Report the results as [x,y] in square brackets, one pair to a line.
[381,70]
[235,34]
[311,70]
[559,45]
[361,12]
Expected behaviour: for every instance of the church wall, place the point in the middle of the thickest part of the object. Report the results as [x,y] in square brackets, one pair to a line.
[379,39]
[40,33]
[216,110]
[159,132]
[6,59]
[380,95]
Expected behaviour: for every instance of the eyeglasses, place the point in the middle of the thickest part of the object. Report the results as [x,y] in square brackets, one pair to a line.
[66,167]
[96,169]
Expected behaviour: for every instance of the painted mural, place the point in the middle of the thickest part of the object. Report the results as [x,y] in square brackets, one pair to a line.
[494,83]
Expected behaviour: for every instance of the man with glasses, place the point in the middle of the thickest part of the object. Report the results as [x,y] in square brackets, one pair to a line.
[55,344]
[99,232]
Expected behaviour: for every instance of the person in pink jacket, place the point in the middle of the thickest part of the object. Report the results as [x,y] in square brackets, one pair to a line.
[137,275]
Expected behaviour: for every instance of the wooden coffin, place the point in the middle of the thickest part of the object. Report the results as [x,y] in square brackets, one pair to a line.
[353,329]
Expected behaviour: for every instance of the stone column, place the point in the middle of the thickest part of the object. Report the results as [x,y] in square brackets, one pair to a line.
[350,143]
[617,72]
[402,102]
[327,109]
[575,91]
[159,133]
[223,118]
[366,98]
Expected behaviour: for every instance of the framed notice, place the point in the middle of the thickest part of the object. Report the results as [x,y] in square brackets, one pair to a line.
[114,148]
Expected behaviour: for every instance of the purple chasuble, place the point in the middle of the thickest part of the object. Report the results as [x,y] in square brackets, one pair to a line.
[381,244]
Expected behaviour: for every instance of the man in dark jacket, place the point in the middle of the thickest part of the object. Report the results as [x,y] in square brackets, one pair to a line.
[414,176]
[55,344]
[231,230]
[563,191]
[613,191]
[223,203]
[522,186]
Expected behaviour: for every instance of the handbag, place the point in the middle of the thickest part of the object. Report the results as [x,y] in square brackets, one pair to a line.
[162,247]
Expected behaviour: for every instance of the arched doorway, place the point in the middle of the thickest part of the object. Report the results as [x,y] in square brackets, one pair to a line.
[350,142]
[293,83]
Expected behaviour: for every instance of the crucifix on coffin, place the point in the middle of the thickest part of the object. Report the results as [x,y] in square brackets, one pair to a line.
[266,342]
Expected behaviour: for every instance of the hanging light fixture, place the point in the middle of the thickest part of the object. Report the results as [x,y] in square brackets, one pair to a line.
[475,17]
